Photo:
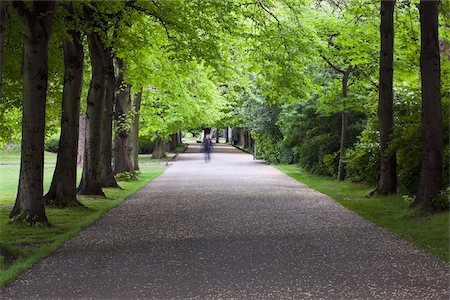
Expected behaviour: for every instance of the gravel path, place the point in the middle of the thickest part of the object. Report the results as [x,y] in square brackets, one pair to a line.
[232,228]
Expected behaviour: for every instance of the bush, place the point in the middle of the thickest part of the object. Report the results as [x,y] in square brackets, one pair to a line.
[363,160]
[52,144]
[331,161]
[442,200]
[266,148]
[146,144]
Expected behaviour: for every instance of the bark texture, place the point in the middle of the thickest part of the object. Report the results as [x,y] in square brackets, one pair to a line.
[158,150]
[344,124]
[37,22]
[122,149]
[62,192]
[81,139]
[108,179]
[344,129]
[387,183]
[432,137]
[92,176]
[137,110]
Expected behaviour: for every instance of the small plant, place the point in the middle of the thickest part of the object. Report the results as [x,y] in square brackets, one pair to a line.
[125,176]
[408,199]
[442,200]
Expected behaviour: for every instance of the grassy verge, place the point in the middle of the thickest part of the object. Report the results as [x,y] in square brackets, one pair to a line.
[430,232]
[30,245]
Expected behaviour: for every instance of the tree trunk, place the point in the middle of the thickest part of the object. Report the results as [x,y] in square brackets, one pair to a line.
[108,179]
[92,174]
[388,165]
[241,136]
[179,138]
[122,153]
[81,139]
[344,125]
[158,150]
[432,136]
[62,192]
[29,205]
[137,110]
[217,135]
[2,40]
[173,141]
[227,134]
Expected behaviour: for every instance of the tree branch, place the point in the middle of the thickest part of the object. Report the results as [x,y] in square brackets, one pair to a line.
[336,68]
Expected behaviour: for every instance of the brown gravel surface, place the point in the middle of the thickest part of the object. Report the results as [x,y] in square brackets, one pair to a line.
[234,228]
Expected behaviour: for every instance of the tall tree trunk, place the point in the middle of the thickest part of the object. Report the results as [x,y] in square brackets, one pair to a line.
[81,139]
[180,137]
[344,125]
[62,192]
[108,179]
[2,40]
[432,136]
[227,134]
[173,141]
[122,153]
[137,110]
[344,129]
[29,205]
[217,135]
[158,150]
[92,174]
[388,165]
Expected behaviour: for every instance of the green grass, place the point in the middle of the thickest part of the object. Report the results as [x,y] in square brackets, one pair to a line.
[13,157]
[30,244]
[429,232]
[147,158]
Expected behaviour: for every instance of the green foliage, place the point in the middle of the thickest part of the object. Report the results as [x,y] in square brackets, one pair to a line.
[267,148]
[362,160]
[52,144]
[442,200]
[146,144]
[125,176]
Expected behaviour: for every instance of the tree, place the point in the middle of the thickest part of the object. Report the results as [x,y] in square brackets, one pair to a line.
[136,112]
[107,174]
[91,183]
[62,191]
[37,22]
[432,137]
[123,124]
[388,165]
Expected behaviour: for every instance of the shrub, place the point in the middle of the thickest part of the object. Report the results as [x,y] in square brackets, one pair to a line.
[442,200]
[363,160]
[146,144]
[52,144]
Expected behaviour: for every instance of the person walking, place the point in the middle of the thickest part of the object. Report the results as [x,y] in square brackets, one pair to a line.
[207,147]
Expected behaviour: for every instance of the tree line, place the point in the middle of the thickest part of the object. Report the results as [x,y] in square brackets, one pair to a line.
[298,78]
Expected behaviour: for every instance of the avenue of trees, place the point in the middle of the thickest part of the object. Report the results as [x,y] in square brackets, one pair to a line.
[345,88]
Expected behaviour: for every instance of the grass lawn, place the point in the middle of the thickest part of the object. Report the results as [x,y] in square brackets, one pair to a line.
[430,232]
[30,244]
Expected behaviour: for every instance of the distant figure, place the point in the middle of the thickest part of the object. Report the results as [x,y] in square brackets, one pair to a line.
[207,147]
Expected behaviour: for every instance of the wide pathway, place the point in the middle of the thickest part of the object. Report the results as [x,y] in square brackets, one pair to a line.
[232,228]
